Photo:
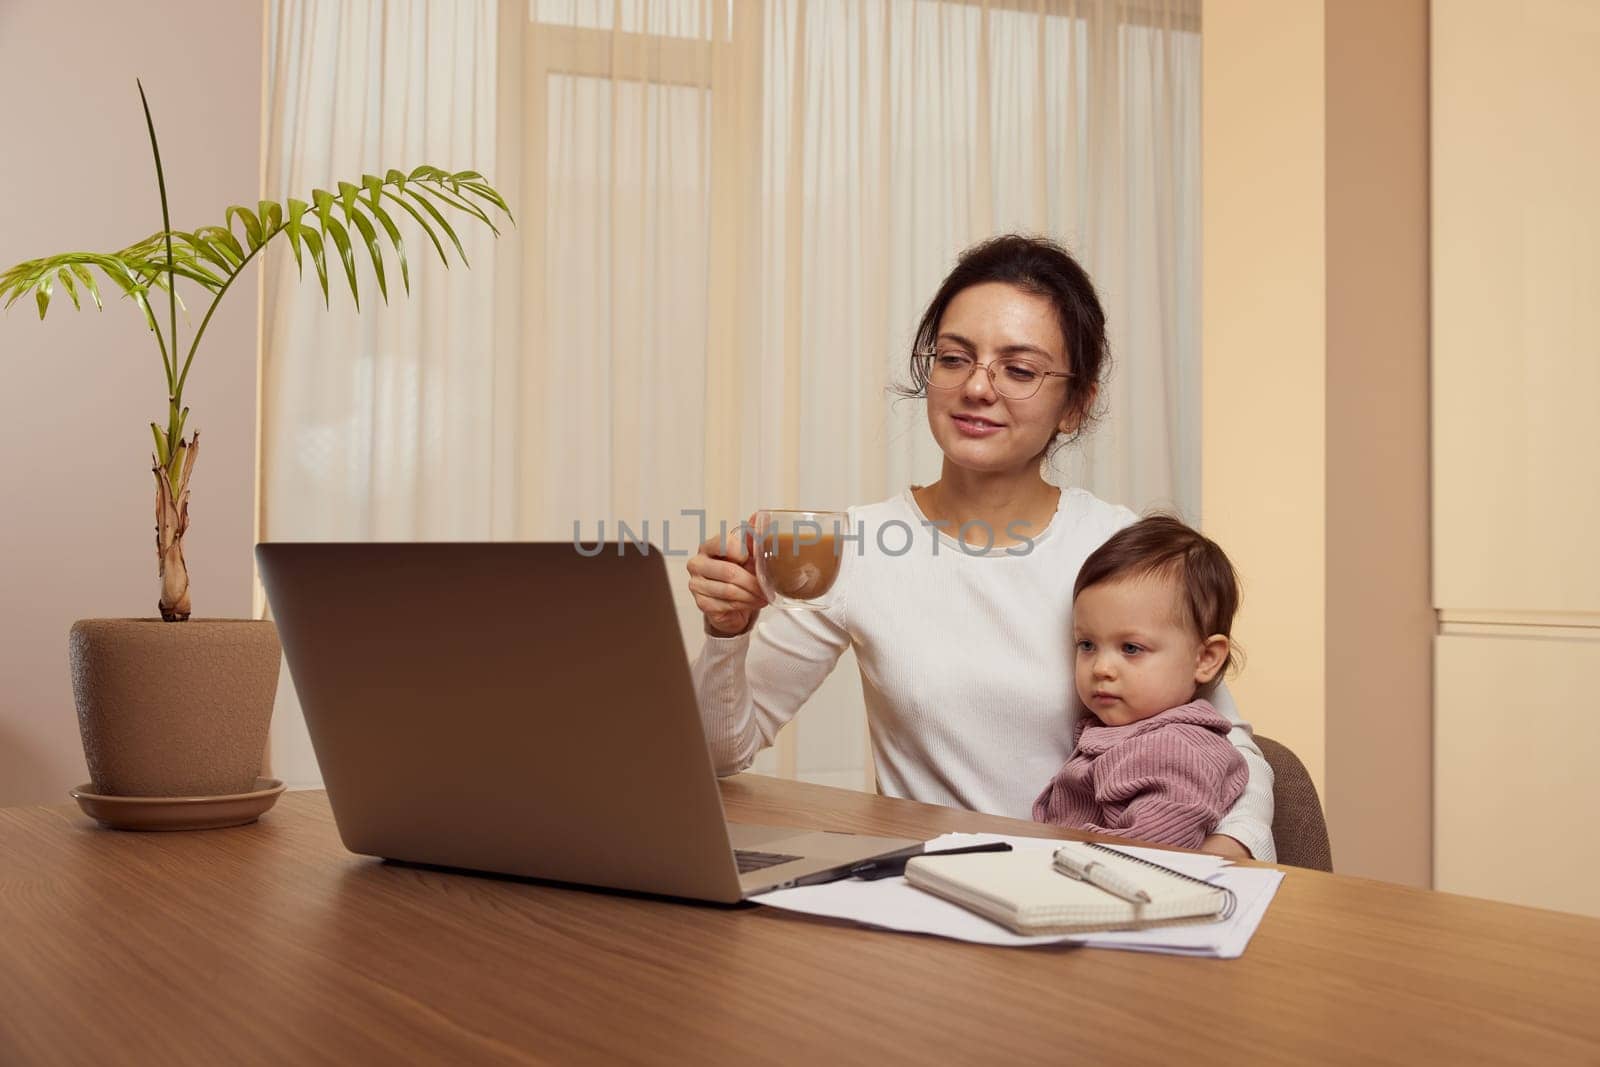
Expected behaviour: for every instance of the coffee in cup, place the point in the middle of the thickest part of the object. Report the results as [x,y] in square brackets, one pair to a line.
[798,556]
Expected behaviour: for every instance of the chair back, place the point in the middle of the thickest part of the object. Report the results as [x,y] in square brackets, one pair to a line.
[1298,826]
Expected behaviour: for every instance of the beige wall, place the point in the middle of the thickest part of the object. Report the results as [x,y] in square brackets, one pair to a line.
[80,388]
[1263,347]
[1380,620]
[1516,373]
[1315,399]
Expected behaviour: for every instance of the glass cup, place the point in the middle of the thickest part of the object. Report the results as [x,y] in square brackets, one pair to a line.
[798,556]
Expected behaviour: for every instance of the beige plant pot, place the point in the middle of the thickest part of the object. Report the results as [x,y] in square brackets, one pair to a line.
[174,709]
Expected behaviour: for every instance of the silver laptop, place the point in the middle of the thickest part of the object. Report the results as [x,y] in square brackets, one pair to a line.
[522,709]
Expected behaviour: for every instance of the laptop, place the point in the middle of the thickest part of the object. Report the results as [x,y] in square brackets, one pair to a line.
[522,709]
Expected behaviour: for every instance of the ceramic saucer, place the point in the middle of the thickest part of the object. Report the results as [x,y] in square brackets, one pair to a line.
[178,813]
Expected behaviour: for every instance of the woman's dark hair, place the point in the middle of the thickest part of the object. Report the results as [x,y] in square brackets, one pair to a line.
[1035,265]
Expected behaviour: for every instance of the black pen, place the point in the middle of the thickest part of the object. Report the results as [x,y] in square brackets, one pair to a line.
[896,865]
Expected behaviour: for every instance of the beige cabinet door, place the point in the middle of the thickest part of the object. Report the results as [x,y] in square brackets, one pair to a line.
[1517,768]
[1516,306]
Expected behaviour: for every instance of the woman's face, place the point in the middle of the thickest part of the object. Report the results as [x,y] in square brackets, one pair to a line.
[977,428]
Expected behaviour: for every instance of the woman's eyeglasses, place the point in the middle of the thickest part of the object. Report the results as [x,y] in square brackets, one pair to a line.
[1012,377]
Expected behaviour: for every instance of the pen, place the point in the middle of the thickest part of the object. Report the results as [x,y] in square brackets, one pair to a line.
[1098,874]
[890,867]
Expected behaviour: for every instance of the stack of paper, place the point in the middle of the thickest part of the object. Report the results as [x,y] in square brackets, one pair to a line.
[893,904]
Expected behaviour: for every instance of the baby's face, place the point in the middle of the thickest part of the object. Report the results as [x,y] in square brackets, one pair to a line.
[1136,657]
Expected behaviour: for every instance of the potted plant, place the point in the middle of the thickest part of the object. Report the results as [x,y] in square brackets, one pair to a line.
[174,711]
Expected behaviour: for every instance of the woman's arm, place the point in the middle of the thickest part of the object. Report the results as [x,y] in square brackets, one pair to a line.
[749,686]
[1249,821]
[750,683]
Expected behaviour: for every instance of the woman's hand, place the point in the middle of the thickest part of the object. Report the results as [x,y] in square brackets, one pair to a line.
[1223,845]
[723,580]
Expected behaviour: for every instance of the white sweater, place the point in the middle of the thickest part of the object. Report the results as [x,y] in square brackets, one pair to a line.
[966,664]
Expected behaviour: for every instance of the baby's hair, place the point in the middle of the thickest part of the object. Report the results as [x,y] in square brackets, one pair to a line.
[1162,546]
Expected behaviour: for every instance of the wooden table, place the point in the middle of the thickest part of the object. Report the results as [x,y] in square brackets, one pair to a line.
[271,944]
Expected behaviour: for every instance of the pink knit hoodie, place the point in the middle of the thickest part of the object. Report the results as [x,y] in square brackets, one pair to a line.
[1167,779]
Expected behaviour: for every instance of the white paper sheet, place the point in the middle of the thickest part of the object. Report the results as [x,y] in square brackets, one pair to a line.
[894,904]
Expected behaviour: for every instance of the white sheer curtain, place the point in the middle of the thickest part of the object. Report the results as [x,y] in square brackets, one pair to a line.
[389,423]
[730,215]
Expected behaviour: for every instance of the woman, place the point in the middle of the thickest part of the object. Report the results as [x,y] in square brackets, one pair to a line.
[957,596]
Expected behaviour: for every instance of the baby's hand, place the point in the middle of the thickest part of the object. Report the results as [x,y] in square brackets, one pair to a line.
[1223,845]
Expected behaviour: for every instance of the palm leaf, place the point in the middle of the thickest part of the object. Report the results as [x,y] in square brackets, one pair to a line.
[124,278]
[459,204]
[210,251]
[323,201]
[488,193]
[70,286]
[341,241]
[438,219]
[370,236]
[271,216]
[395,239]
[252,225]
[347,196]
[318,260]
[212,256]
[297,209]
[152,268]
[132,275]
[420,222]
[225,242]
[88,283]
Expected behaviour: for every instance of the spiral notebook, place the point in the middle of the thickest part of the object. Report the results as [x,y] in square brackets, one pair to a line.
[1026,892]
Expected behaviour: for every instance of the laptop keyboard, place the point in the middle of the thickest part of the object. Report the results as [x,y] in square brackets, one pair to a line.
[754,861]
